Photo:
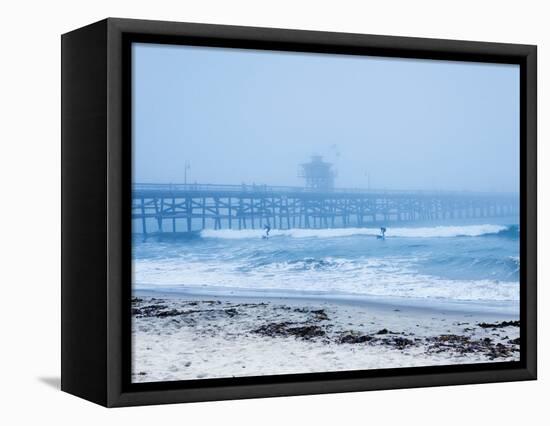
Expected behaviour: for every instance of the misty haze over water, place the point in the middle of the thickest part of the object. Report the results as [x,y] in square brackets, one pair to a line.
[245,116]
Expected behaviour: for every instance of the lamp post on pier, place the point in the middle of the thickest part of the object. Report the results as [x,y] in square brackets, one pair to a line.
[186,167]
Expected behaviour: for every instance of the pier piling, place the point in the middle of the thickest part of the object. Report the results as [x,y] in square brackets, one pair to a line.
[220,206]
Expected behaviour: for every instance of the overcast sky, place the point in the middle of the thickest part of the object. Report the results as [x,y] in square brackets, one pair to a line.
[253,116]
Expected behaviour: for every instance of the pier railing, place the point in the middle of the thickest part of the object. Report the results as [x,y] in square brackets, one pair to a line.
[196,187]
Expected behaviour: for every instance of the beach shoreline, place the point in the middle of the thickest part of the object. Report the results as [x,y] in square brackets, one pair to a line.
[188,336]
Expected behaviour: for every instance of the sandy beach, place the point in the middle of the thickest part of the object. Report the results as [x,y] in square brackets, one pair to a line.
[186,336]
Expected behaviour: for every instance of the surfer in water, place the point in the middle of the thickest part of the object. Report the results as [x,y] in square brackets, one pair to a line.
[382,235]
[267,229]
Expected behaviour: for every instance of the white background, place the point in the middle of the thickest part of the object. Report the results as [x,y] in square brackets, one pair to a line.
[30,211]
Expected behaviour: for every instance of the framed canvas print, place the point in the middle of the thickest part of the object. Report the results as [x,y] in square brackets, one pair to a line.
[252,212]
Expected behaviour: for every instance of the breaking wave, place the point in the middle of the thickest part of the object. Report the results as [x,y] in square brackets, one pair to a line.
[420,232]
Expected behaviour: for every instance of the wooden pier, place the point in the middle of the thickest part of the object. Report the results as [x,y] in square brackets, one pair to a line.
[159,208]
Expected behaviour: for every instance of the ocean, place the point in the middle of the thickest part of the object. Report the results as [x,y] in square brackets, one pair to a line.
[457,262]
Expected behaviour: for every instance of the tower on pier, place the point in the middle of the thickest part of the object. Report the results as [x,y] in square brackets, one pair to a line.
[318,174]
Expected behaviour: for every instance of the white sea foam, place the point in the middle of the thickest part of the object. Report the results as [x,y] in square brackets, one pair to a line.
[420,232]
[388,276]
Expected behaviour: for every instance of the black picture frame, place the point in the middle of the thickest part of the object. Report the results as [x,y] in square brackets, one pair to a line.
[96,196]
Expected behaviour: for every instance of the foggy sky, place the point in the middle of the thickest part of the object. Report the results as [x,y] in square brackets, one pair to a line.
[245,116]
